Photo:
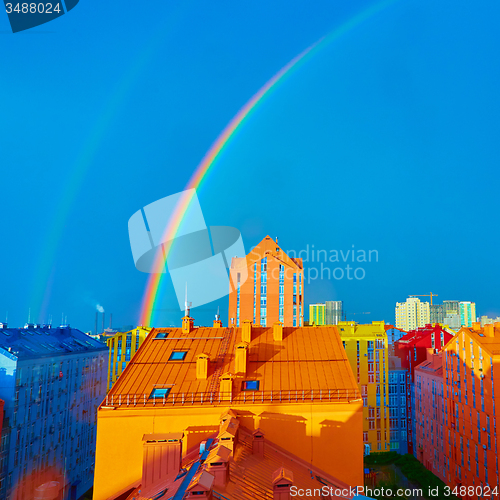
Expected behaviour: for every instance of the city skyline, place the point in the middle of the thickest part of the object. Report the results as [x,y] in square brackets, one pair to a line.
[360,114]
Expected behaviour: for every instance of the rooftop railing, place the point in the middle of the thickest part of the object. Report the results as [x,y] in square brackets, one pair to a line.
[222,398]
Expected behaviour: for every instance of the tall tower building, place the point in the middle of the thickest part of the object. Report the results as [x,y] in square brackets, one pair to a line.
[317,314]
[333,312]
[412,314]
[467,313]
[266,287]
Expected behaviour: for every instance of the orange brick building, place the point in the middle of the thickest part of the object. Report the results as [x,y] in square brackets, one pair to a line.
[267,286]
[471,364]
[295,385]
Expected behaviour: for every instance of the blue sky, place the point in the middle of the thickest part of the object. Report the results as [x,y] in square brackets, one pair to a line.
[385,139]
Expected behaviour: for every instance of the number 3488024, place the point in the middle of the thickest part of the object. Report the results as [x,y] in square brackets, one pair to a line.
[33,8]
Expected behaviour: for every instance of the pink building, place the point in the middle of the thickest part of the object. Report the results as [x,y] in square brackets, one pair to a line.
[430,414]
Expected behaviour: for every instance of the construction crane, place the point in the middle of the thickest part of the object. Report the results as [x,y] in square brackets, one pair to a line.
[430,295]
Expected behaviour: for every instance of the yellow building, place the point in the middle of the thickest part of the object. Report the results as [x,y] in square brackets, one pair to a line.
[317,314]
[412,314]
[293,384]
[122,347]
[366,348]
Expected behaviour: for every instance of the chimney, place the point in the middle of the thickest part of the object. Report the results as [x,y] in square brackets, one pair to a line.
[218,465]
[476,326]
[162,457]
[246,331]
[489,331]
[202,366]
[282,481]
[228,433]
[217,321]
[201,485]
[187,324]
[258,443]
[226,387]
[278,331]
[240,363]
[227,415]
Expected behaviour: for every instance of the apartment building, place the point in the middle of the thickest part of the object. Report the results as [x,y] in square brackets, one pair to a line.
[412,314]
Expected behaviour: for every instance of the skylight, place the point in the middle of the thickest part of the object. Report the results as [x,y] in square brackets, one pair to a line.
[160,393]
[251,385]
[177,356]
[162,335]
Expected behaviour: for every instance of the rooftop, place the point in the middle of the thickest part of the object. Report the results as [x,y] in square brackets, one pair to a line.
[251,475]
[488,337]
[34,341]
[308,364]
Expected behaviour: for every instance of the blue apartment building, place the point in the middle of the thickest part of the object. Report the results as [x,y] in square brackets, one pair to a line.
[52,381]
[397,409]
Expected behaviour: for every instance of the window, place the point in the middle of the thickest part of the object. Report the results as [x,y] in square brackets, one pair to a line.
[177,356]
[251,385]
[162,335]
[160,393]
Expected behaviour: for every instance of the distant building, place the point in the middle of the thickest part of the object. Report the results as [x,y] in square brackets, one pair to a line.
[366,348]
[412,350]
[467,313]
[437,313]
[485,320]
[412,314]
[122,347]
[430,414]
[317,314]
[52,380]
[290,387]
[333,312]
[266,286]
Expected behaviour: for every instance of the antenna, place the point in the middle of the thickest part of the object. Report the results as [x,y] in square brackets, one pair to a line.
[217,316]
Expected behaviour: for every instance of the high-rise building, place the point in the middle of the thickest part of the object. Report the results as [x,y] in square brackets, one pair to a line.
[293,385]
[412,314]
[412,350]
[485,320]
[266,286]
[52,380]
[333,312]
[467,313]
[437,313]
[430,414]
[471,365]
[366,348]
[122,347]
[317,314]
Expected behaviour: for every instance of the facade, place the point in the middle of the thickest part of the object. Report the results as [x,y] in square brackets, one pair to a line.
[412,350]
[317,314]
[295,385]
[467,313]
[333,312]
[412,314]
[266,286]
[471,364]
[430,414]
[437,313]
[52,380]
[366,349]
[122,347]
[397,410]
[452,314]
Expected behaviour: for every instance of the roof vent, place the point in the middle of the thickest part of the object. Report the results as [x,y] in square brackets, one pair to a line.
[282,480]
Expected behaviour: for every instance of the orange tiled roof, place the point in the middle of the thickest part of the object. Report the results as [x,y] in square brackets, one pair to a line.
[251,476]
[309,364]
